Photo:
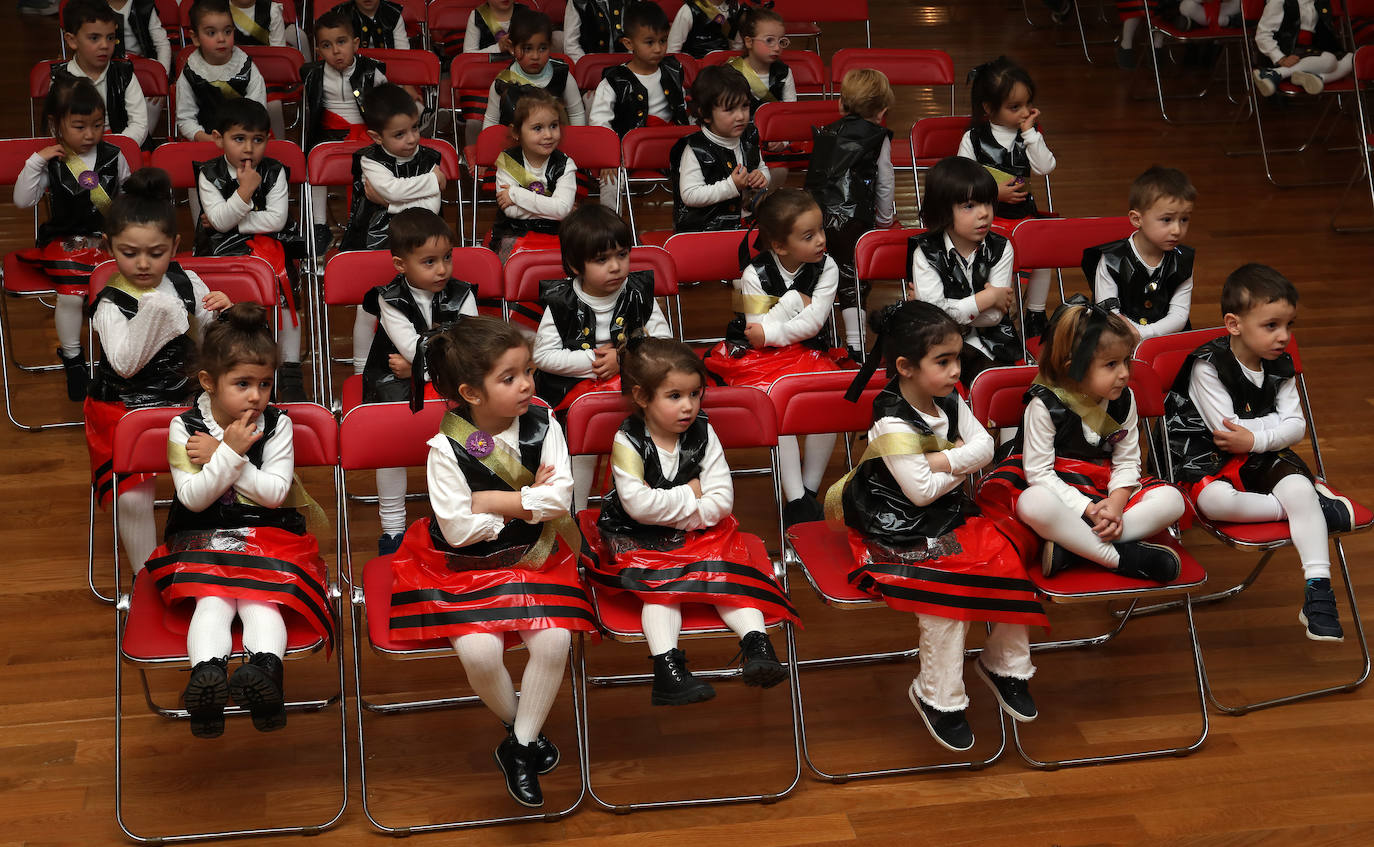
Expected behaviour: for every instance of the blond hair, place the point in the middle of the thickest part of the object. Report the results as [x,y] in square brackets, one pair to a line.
[866,92]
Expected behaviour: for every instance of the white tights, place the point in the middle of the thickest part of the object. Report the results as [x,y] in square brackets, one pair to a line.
[584,474]
[940,684]
[798,476]
[137,531]
[208,636]
[391,500]
[1128,28]
[1038,289]
[1293,499]
[1042,510]
[364,330]
[68,317]
[289,336]
[1197,13]
[662,622]
[1325,65]
[483,658]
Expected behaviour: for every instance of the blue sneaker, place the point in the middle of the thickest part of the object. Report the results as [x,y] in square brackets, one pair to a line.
[1319,612]
[388,544]
[1339,513]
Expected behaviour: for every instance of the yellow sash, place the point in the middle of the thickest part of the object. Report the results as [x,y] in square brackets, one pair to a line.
[507,466]
[753,304]
[225,88]
[1093,415]
[489,18]
[623,456]
[247,23]
[512,74]
[100,198]
[518,172]
[713,11]
[758,86]
[316,522]
[891,444]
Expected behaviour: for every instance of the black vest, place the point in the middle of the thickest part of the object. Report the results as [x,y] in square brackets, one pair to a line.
[708,33]
[377,31]
[874,503]
[262,16]
[164,380]
[139,15]
[773,284]
[716,164]
[777,81]
[509,92]
[227,512]
[118,75]
[504,227]
[1191,449]
[380,385]
[601,25]
[72,212]
[209,97]
[630,106]
[1013,161]
[576,323]
[1069,440]
[368,222]
[843,176]
[211,242]
[1143,297]
[1001,339]
[362,80]
[691,448]
[1325,36]
[485,37]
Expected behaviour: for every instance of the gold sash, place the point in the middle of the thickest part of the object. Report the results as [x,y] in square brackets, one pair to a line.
[713,11]
[518,172]
[891,444]
[316,522]
[513,75]
[623,456]
[100,198]
[225,88]
[758,86]
[1093,415]
[489,18]
[247,23]
[753,304]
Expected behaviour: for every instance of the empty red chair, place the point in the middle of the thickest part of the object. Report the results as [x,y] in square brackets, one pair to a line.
[805,16]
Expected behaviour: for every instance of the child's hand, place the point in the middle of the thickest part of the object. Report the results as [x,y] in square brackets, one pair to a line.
[911,291]
[200,447]
[756,179]
[542,476]
[482,503]
[204,221]
[1011,192]
[399,366]
[371,193]
[695,485]
[754,332]
[1234,438]
[242,433]
[1032,118]
[1288,61]
[1106,518]
[202,135]
[249,179]
[52,151]
[995,297]
[775,146]
[503,198]
[740,177]
[806,300]
[605,364]
[439,175]
[216,301]
[938,462]
[608,173]
[505,45]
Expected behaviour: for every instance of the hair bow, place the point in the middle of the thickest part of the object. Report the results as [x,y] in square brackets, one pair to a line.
[881,321]
[418,366]
[1095,321]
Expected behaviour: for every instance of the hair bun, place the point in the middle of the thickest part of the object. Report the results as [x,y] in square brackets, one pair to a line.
[245,317]
[149,184]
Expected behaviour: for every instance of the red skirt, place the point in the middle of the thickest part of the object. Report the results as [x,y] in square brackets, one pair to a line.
[270,250]
[712,566]
[973,574]
[761,368]
[101,417]
[1280,464]
[333,122]
[430,601]
[591,385]
[265,564]
[70,270]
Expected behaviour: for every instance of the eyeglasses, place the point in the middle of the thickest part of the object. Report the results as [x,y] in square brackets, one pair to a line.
[773,41]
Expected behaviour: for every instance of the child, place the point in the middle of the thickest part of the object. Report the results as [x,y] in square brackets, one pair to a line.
[917,537]
[258,22]
[377,23]
[669,527]
[482,572]
[1074,478]
[488,29]
[82,174]
[648,90]
[702,26]
[1147,278]
[536,182]
[90,31]
[1302,41]
[216,72]
[243,201]
[395,172]
[852,180]
[1003,137]
[961,266]
[1234,415]
[147,318]
[236,544]
[718,174]
[423,297]
[596,26]
[531,33]
[782,307]
[769,78]
[140,32]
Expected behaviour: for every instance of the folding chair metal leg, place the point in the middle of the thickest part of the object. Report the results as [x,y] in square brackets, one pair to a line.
[8,357]
[1363,171]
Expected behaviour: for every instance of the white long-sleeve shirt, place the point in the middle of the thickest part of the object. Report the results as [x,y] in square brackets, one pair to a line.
[129,344]
[1283,427]
[570,95]
[603,99]
[1037,151]
[267,486]
[399,328]
[886,207]
[188,119]
[1180,304]
[679,507]
[693,187]
[1038,454]
[276,24]
[552,357]
[930,288]
[234,213]
[402,192]
[451,497]
[32,181]
[921,485]
[1272,18]
[791,320]
[162,47]
[528,204]
[471,36]
[135,104]
[682,26]
[338,92]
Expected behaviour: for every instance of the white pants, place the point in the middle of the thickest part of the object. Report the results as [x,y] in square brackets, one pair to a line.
[1047,515]
[662,622]
[1325,65]
[483,658]
[137,531]
[940,684]
[800,472]
[208,635]
[1293,499]
[391,500]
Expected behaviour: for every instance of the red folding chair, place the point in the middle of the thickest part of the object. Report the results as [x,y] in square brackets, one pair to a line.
[792,123]
[809,73]
[880,255]
[805,16]
[645,160]
[447,23]
[932,139]
[1361,78]
[588,70]
[417,68]
[152,635]
[524,271]
[151,76]
[1211,34]
[703,258]
[470,78]
[1059,243]
[1164,356]
[742,418]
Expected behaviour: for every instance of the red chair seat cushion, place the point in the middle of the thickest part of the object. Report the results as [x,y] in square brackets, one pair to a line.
[1275,532]
[827,560]
[1090,583]
[655,237]
[377,582]
[23,277]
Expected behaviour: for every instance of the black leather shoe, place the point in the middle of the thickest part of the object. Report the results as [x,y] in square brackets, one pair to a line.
[206,695]
[290,383]
[1146,560]
[257,686]
[1055,558]
[1013,694]
[520,764]
[1035,324]
[75,368]
[388,544]
[548,754]
[949,729]
[761,666]
[674,685]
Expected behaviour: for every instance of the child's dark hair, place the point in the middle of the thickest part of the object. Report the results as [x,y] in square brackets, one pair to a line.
[79,12]
[145,198]
[70,96]
[718,87]
[952,181]
[587,233]
[239,335]
[1159,183]
[466,352]
[778,212]
[752,16]
[526,23]
[1252,285]
[242,112]
[1069,345]
[413,228]
[334,19]
[991,85]
[531,99]
[384,102]
[645,15]
[645,362]
[908,330]
[201,8]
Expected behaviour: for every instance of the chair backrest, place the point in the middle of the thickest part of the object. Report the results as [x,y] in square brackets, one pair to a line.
[997,396]
[881,254]
[742,417]
[450,16]
[278,65]
[807,404]
[331,162]
[407,67]
[349,275]
[1364,63]
[902,66]
[593,148]
[524,270]
[1165,354]
[14,152]
[670,7]
[490,144]
[707,256]
[809,74]
[471,76]
[152,76]
[388,435]
[140,437]
[588,70]
[1060,242]
[822,11]
[244,279]
[177,158]
[792,122]
[647,148]
[937,137]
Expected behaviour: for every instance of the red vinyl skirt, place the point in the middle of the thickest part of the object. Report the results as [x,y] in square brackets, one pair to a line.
[101,417]
[70,270]
[589,386]
[761,368]
[270,250]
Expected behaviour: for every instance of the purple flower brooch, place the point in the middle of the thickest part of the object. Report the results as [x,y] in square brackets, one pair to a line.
[479,445]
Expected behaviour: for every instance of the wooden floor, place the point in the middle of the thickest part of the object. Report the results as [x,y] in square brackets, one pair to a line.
[1301,774]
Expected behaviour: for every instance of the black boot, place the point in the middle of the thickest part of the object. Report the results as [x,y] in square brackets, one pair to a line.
[290,383]
[548,754]
[1146,560]
[1035,324]
[76,375]
[206,695]
[761,666]
[804,509]
[257,686]
[1055,558]
[674,685]
[520,764]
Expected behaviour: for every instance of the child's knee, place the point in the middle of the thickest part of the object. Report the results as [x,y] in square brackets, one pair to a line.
[1037,503]
[1169,499]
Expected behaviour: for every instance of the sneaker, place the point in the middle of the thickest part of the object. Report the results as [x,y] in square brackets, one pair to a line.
[257,686]
[1147,560]
[1012,694]
[674,685]
[1338,511]
[206,695]
[1125,58]
[389,543]
[290,383]
[1309,82]
[1055,558]
[949,729]
[1319,612]
[1035,324]
[75,368]
[761,666]
[519,763]
[1266,81]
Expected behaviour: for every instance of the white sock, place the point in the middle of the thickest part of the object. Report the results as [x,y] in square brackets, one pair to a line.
[816,459]
[610,191]
[264,629]
[548,649]
[853,331]
[1154,512]
[661,622]
[364,330]
[289,337]
[789,468]
[137,530]
[276,118]
[742,620]
[1128,28]
[68,318]
[319,206]
[1038,290]
[207,636]
[583,472]
[483,658]
[391,500]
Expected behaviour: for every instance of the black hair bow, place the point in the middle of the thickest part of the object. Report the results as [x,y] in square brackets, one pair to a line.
[1095,320]
[881,321]
[418,366]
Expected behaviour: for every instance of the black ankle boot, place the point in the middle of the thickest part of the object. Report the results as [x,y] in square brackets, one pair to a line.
[761,666]
[206,695]
[548,754]
[257,686]
[75,368]
[520,764]
[290,383]
[1145,560]
[674,685]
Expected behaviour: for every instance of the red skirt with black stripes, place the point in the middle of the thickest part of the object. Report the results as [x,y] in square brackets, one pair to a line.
[68,266]
[762,368]
[101,417]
